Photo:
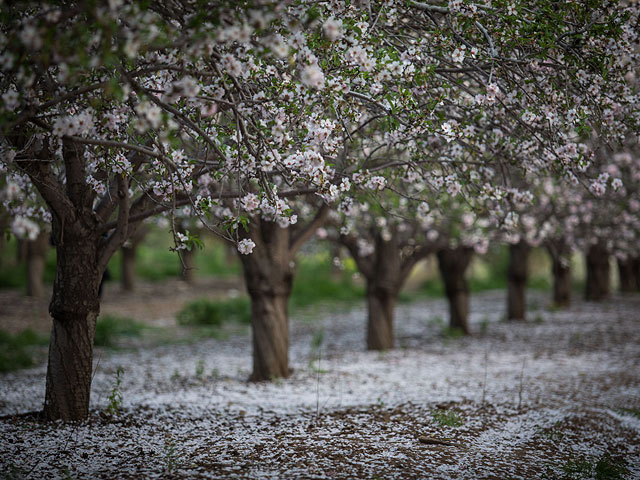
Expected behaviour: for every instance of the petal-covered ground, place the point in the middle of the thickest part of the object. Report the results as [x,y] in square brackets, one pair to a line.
[557,397]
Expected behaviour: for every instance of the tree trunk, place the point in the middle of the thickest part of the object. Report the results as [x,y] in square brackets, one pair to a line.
[128,273]
[381,303]
[74,308]
[598,274]
[268,276]
[627,274]
[188,271]
[36,259]
[517,274]
[384,281]
[453,263]
[561,271]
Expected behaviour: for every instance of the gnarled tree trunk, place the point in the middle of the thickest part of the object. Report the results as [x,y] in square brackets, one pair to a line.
[598,284]
[268,276]
[36,258]
[517,275]
[627,272]
[453,263]
[74,308]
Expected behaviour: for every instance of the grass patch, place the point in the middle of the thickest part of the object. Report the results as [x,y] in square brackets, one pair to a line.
[110,327]
[214,313]
[315,282]
[447,418]
[17,351]
[605,468]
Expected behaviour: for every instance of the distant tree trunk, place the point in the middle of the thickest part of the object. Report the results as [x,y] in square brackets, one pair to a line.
[629,281]
[36,259]
[74,308]
[598,273]
[453,263]
[383,285]
[129,249]
[21,250]
[128,270]
[561,271]
[517,274]
[268,276]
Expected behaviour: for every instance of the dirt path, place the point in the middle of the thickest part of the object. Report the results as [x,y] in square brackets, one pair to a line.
[558,397]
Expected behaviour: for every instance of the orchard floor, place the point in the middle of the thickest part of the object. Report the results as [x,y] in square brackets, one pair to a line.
[557,397]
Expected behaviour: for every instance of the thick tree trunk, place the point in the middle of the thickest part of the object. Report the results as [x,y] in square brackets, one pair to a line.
[128,269]
[74,308]
[598,274]
[268,276]
[453,263]
[629,281]
[561,283]
[517,274]
[270,322]
[381,303]
[384,281]
[36,258]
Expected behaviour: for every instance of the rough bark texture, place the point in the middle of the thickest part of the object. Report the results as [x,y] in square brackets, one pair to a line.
[268,276]
[383,284]
[36,257]
[453,263]
[517,274]
[74,308]
[627,272]
[598,285]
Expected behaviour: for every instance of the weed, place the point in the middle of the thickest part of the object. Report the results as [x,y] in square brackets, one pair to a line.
[316,352]
[200,368]
[115,397]
[447,418]
[538,319]
[170,456]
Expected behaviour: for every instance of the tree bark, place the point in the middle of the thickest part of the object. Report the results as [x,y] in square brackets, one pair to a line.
[74,308]
[268,276]
[384,281]
[517,275]
[561,271]
[629,281]
[381,303]
[36,259]
[453,263]
[188,271]
[598,284]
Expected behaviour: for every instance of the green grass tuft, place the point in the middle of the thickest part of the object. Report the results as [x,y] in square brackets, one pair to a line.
[447,418]
[16,351]
[214,313]
[110,327]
